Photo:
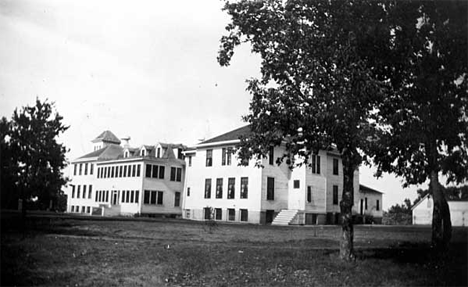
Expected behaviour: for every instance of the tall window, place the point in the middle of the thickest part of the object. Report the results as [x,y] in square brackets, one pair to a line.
[137,196]
[219,188]
[153,197]
[78,192]
[138,170]
[80,169]
[335,166]
[316,164]
[73,191]
[231,214]
[74,169]
[86,169]
[160,197]
[209,157]
[271,155]
[218,214]
[176,174]
[309,194]
[335,194]
[84,191]
[377,205]
[162,171]
[208,188]
[190,160]
[134,170]
[244,215]
[158,152]
[177,199]
[108,172]
[365,203]
[226,156]
[207,212]
[188,191]
[179,174]
[155,171]
[112,172]
[148,170]
[231,187]
[270,188]
[244,191]
[91,167]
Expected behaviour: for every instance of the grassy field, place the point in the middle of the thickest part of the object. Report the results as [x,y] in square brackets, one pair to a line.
[69,251]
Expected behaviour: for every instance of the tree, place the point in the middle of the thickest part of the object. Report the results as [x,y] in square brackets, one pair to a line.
[425,118]
[317,89]
[36,160]
[399,214]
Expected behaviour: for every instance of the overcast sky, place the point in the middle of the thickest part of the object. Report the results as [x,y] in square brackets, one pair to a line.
[144,69]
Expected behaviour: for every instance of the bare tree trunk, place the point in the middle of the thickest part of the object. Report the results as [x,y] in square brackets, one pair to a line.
[346,205]
[441,222]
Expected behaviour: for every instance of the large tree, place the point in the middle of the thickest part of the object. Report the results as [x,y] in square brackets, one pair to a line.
[317,89]
[425,118]
[33,168]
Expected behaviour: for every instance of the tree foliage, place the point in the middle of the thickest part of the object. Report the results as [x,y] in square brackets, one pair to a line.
[425,115]
[33,167]
[317,88]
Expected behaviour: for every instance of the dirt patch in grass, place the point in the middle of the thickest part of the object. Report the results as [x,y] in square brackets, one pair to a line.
[176,253]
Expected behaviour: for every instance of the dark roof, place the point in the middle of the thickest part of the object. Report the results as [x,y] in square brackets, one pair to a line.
[363,188]
[232,135]
[108,152]
[107,136]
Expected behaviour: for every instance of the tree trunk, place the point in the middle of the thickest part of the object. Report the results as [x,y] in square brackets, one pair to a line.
[441,223]
[346,205]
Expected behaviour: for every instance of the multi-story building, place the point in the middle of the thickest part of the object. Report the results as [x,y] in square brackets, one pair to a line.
[216,187]
[120,180]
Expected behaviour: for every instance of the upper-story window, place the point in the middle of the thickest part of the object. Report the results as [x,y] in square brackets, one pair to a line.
[271,155]
[91,167]
[335,166]
[219,188]
[158,152]
[74,169]
[316,164]
[270,188]
[226,156]
[126,154]
[208,188]
[176,174]
[189,160]
[143,152]
[86,169]
[231,187]
[209,157]
[335,195]
[80,169]
[244,191]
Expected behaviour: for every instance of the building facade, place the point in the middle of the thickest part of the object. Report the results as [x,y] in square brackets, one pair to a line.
[422,211]
[116,179]
[217,187]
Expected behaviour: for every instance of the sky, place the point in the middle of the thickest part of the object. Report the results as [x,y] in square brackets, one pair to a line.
[144,69]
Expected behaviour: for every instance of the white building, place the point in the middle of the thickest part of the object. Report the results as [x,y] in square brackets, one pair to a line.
[422,211]
[120,180]
[217,187]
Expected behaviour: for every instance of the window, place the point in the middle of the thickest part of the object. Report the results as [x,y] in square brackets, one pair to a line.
[335,166]
[86,169]
[74,171]
[148,170]
[132,196]
[83,209]
[309,194]
[271,155]
[377,205]
[91,167]
[207,212]
[244,192]
[176,174]
[73,191]
[296,183]
[108,172]
[126,154]
[107,196]
[209,157]
[155,171]
[190,160]
[78,192]
[137,196]
[153,197]
[270,188]
[219,188]
[162,170]
[244,215]
[231,214]
[179,174]
[72,208]
[208,188]
[125,171]
[365,203]
[133,170]
[98,172]
[127,196]
[335,194]
[316,164]
[138,170]
[188,191]
[120,171]
[88,209]
[218,214]
[96,196]
[173,173]
[143,152]
[158,152]
[84,191]
[112,172]
[226,156]
[231,187]
[177,199]
[80,168]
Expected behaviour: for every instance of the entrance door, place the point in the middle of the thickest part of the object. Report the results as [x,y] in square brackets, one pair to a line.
[269,216]
[115,197]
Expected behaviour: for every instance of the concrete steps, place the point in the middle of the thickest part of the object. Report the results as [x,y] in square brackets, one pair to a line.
[285,217]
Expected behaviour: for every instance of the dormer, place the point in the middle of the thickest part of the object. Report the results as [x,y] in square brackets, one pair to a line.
[105,139]
[126,153]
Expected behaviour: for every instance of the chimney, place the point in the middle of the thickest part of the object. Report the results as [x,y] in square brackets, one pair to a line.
[126,141]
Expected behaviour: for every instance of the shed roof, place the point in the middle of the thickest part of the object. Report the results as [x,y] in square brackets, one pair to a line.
[366,189]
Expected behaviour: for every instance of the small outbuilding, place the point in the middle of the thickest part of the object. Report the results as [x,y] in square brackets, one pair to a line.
[422,211]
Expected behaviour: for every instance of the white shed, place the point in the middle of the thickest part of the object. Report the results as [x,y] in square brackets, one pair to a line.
[422,211]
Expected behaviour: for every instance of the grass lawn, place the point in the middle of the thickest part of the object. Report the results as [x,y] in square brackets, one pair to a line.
[155,252]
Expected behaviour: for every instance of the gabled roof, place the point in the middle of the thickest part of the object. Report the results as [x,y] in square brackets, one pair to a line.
[366,189]
[229,136]
[108,152]
[107,136]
